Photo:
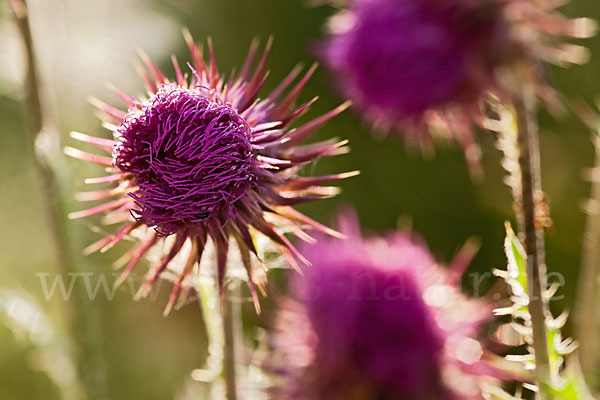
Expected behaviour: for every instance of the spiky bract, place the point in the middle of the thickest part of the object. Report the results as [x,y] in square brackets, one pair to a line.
[200,158]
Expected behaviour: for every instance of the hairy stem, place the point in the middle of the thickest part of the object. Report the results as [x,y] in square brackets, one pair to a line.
[43,137]
[586,316]
[533,208]
[230,320]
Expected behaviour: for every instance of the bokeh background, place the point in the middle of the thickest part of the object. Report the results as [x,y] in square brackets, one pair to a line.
[82,44]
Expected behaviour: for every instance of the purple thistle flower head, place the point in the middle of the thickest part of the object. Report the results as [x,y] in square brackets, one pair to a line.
[424,66]
[377,318]
[191,156]
[379,322]
[204,160]
[405,56]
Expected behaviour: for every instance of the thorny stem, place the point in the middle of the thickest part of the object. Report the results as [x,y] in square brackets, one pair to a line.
[80,319]
[230,320]
[533,208]
[586,317]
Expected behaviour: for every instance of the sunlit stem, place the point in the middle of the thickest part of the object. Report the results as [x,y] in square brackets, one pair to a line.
[231,321]
[534,216]
[43,138]
[222,318]
[586,316]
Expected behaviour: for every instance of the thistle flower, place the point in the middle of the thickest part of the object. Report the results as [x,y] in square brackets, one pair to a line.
[376,318]
[424,66]
[202,157]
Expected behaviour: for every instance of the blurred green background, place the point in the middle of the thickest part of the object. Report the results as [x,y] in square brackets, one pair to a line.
[82,44]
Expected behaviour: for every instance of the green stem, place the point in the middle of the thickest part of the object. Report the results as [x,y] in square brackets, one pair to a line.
[230,320]
[586,316]
[82,320]
[533,221]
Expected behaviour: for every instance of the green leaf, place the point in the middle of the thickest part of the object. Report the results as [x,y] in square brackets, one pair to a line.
[517,257]
[571,387]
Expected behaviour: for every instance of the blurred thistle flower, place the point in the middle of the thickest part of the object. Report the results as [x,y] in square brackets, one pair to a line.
[424,66]
[377,318]
[203,157]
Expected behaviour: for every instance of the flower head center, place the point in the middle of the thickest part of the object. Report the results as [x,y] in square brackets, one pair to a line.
[190,156]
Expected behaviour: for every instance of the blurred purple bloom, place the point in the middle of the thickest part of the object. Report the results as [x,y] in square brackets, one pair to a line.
[403,57]
[423,66]
[203,157]
[377,318]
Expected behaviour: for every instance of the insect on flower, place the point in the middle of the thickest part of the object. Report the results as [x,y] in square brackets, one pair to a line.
[202,159]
